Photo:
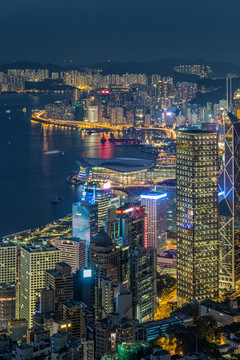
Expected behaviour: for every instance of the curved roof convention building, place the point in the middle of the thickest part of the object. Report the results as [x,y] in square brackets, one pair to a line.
[123,165]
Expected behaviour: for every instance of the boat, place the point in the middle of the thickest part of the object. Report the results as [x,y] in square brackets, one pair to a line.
[103,139]
[8,111]
[56,199]
[75,180]
[24,110]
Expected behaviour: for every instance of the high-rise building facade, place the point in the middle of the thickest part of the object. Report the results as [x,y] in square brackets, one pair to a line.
[197,215]
[143,266]
[100,196]
[36,258]
[229,206]
[72,251]
[8,261]
[85,220]
[104,257]
[61,281]
[155,206]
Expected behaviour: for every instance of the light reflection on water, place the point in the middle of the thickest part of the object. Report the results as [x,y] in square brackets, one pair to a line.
[28,176]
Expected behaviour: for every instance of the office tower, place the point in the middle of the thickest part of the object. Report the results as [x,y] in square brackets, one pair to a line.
[155,206]
[84,288]
[72,251]
[85,223]
[7,302]
[124,301]
[105,298]
[169,187]
[236,100]
[85,220]
[125,254]
[61,281]
[147,120]
[36,258]
[132,225]
[8,261]
[75,312]
[143,285]
[79,112]
[93,114]
[104,257]
[112,226]
[197,215]
[100,196]
[229,206]
[45,301]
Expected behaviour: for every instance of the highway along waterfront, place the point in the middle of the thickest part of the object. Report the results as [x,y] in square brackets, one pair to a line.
[33,168]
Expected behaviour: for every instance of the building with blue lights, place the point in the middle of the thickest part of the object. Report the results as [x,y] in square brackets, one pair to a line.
[152,330]
[100,196]
[155,206]
[85,220]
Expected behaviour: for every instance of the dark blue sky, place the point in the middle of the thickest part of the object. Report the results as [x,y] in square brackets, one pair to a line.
[128,30]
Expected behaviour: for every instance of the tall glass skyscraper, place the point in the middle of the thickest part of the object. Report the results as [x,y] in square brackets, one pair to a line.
[84,221]
[197,215]
[229,206]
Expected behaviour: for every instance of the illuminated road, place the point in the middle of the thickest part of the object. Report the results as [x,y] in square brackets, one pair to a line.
[163,308]
[40,116]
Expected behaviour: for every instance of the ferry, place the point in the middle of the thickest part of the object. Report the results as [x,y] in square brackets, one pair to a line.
[56,199]
[103,139]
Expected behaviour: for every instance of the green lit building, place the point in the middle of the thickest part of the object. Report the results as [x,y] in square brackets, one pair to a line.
[197,215]
[132,351]
[79,112]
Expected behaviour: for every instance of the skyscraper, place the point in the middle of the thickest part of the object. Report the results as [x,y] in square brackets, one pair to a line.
[72,251]
[155,206]
[8,261]
[133,225]
[61,281]
[197,215]
[229,206]
[143,266]
[100,196]
[36,258]
[84,222]
[104,257]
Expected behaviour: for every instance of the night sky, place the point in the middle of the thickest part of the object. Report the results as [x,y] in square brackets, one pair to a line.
[128,30]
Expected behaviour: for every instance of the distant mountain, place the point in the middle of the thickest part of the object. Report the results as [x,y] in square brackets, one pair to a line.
[165,67]
[32,65]
[162,67]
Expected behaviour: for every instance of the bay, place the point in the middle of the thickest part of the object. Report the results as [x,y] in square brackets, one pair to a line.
[28,177]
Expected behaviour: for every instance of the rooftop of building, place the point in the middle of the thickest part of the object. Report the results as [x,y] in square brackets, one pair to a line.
[169,182]
[39,246]
[168,320]
[74,304]
[6,243]
[223,307]
[7,286]
[196,131]
[102,239]
[71,239]
[118,164]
